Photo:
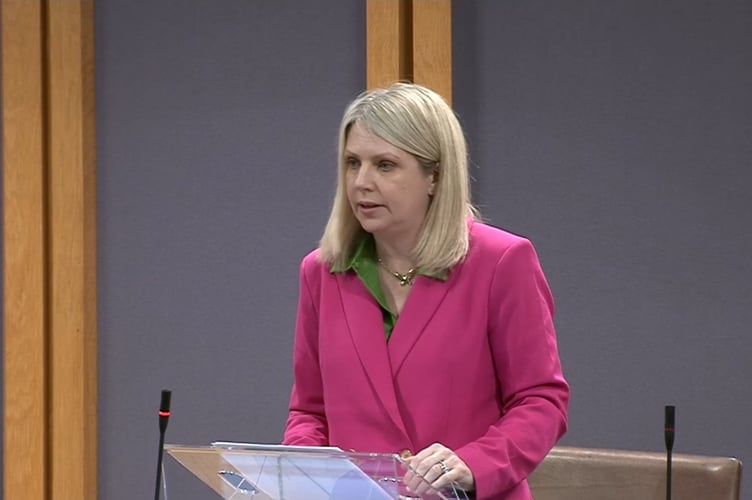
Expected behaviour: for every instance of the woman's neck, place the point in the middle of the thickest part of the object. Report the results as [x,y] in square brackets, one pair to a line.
[397,254]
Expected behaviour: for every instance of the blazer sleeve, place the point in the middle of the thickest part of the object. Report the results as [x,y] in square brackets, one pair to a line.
[306,421]
[534,393]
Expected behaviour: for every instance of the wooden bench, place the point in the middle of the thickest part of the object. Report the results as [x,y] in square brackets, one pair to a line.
[570,473]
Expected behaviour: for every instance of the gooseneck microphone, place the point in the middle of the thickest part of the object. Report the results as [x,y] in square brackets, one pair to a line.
[668,434]
[164,416]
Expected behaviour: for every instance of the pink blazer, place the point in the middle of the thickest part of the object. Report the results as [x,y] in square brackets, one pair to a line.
[472,363]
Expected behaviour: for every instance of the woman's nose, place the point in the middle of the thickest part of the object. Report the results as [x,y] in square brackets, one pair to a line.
[364,178]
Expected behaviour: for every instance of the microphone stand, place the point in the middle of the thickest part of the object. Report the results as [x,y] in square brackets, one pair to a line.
[668,435]
[164,416]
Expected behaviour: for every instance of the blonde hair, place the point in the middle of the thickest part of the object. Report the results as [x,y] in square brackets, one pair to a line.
[417,120]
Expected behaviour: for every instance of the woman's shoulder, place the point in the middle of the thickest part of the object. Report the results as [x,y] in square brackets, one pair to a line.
[311,259]
[490,239]
[313,264]
[491,245]
[314,267]
[311,269]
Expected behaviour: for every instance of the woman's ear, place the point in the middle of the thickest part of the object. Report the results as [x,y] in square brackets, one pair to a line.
[434,177]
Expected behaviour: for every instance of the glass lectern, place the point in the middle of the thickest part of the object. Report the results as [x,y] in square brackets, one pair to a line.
[242,471]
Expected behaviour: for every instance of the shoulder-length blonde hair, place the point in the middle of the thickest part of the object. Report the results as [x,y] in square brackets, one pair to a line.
[417,120]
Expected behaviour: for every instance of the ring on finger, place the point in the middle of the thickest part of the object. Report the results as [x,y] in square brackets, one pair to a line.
[444,467]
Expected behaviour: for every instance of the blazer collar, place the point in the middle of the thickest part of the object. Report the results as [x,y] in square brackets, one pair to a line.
[366,327]
[382,361]
[425,298]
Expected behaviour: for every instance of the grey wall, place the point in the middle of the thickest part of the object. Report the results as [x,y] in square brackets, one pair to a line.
[216,145]
[616,135]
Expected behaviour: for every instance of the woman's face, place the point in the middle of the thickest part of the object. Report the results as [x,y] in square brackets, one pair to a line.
[388,190]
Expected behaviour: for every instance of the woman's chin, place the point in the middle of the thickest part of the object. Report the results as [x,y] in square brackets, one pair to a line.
[372,226]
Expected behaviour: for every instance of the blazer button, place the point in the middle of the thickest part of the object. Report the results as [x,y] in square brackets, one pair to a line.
[406,453]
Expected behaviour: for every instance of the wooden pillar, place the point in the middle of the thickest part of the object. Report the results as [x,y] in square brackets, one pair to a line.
[410,40]
[71,198]
[388,42]
[432,45]
[25,409]
[49,238]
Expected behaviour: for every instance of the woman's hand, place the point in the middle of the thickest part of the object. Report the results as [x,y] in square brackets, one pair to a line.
[439,466]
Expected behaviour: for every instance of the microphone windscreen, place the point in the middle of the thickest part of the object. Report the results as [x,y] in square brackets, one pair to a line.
[164,405]
[669,418]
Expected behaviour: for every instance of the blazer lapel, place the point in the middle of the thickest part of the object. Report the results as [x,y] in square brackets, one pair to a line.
[366,325]
[425,298]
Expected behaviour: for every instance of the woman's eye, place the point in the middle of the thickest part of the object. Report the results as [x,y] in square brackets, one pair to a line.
[352,163]
[386,166]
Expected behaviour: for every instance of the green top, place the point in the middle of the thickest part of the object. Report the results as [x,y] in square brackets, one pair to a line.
[365,264]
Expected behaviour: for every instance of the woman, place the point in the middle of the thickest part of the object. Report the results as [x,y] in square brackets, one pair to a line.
[421,330]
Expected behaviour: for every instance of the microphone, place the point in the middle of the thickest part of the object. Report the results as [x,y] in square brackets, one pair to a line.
[164,416]
[668,434]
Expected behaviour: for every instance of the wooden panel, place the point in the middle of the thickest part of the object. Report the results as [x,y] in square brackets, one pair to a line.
[72,271]
[432,45]
[24,319]
[388,41]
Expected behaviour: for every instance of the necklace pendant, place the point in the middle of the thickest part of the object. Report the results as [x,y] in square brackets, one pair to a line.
[404,279]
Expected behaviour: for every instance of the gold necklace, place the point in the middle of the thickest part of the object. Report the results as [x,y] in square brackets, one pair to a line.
[404,279]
